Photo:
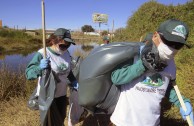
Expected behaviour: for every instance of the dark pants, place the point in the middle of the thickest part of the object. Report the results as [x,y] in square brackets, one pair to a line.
[61,103]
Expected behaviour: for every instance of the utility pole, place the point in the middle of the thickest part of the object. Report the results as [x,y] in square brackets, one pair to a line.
[112,30]
[99,27]
[1,24]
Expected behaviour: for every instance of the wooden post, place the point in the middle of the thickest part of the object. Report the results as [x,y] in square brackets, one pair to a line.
[1,25]
[43,28]
[112,30]
[141,38]
[44,47]
[99,32]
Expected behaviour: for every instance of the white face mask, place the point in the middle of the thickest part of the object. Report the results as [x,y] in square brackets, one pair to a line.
[165,52]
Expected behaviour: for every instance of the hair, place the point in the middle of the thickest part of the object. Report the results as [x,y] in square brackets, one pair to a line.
[52,40]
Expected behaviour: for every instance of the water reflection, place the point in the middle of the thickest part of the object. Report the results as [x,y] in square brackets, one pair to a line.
[16,61]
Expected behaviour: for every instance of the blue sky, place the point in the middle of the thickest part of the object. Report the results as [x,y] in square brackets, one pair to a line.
[70,14]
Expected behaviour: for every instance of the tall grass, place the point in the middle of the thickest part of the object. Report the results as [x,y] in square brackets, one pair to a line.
[14,93]
[15,41]
[15,89]
[14,34]
[14,84]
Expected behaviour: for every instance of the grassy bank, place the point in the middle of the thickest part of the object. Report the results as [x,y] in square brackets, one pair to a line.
[16,41]
[15,91]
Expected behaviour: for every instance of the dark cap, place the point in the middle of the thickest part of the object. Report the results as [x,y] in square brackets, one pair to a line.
[174,30]
[148,37]
[64,34]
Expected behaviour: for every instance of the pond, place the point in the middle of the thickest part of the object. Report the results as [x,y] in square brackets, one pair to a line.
[16,61]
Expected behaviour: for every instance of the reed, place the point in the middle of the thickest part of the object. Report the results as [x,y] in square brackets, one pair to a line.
[14,84]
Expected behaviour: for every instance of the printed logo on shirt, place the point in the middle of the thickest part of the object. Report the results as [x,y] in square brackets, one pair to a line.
[154,80]
[62,67]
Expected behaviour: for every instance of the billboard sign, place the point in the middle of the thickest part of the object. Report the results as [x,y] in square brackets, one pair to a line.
[99,18]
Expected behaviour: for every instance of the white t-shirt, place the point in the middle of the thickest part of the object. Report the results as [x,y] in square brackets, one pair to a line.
[61,65]
[139,101]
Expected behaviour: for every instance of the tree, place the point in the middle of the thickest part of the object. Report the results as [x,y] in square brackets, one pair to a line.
[87,28]
[104,33]
[5,26]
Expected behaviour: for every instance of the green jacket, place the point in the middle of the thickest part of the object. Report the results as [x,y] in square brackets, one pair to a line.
[33,70]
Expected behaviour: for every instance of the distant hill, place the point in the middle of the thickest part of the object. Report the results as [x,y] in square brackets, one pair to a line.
[148,17]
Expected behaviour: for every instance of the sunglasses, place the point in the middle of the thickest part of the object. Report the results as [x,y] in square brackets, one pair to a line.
[174,45]
[63,46]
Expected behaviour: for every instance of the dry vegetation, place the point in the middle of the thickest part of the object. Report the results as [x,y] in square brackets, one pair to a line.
[16,113]
[14,93]
[15,89]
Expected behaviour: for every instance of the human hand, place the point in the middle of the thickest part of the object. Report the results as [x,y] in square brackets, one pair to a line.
[44,63]
[189,111]
[75,85]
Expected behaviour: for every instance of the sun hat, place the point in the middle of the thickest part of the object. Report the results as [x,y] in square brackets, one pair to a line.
[64,34]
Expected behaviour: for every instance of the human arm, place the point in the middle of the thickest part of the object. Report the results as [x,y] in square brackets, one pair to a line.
[35,67]
[173,98]
[128,73]
[73,80]
[149,61]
